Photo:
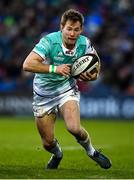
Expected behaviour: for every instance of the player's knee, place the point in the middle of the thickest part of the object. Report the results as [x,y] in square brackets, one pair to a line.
[73,129]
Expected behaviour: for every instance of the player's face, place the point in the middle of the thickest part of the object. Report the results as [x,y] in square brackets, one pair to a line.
[70,32]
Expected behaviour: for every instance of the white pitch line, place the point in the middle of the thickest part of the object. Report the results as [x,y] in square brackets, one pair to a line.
[71,148]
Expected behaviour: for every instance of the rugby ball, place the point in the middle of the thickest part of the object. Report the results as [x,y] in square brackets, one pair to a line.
[86,63]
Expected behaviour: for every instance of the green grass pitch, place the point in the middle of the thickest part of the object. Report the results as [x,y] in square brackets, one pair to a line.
[22,155]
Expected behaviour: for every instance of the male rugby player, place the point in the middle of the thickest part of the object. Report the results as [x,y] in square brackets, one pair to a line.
[55,90]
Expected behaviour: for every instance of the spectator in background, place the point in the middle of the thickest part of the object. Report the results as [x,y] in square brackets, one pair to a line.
[109,24]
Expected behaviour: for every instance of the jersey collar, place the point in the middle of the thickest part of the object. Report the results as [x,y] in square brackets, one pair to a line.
[68,52]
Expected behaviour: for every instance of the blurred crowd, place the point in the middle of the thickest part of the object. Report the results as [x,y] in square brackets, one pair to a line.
[108,23]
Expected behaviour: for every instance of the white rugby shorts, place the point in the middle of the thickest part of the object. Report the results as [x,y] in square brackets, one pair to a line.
[46,105]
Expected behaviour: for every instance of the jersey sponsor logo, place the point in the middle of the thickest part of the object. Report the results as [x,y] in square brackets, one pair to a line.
[59,58]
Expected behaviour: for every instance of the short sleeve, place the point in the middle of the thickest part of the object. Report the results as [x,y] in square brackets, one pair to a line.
[42,47]
[89,47]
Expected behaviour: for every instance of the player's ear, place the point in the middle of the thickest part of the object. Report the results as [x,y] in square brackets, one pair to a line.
[61,27]
[81,29]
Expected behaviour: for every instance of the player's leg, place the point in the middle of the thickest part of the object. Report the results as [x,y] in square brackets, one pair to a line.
[71,114]
[45,127]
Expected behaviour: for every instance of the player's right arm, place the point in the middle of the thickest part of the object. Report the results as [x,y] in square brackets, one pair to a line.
[34,63]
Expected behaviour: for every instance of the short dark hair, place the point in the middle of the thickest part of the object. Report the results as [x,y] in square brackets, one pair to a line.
[72,15]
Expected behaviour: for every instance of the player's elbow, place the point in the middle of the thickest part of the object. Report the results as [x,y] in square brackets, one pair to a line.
[26,66]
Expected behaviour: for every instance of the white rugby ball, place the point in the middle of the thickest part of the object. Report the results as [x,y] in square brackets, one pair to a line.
[86,63]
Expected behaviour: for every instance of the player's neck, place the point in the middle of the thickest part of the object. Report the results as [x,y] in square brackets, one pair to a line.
[69,46]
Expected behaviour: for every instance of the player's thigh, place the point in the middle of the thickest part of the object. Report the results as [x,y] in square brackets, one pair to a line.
[45,126]
[71,114]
